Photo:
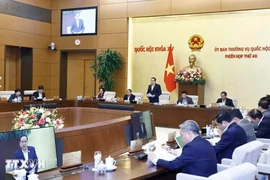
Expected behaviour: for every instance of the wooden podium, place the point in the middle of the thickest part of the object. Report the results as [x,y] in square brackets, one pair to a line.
[197,90]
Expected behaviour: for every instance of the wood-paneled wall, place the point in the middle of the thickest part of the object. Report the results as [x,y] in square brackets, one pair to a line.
[47,4]
[12,67]
[67,42]
[22,32]
[112,31]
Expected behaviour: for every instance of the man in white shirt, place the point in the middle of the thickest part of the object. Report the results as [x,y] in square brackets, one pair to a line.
[77,26]
[153,91]
[224,101]
[129,97]
[39,95]
[26,153]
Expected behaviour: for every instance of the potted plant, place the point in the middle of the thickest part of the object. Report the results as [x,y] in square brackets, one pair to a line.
[107,62]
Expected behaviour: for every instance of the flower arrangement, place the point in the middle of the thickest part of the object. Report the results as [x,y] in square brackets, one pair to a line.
[190,77]
[37,118]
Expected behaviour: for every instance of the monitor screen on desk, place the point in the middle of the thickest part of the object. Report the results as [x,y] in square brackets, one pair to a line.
[47,106]
[39,143]
[115,106]
[142,126]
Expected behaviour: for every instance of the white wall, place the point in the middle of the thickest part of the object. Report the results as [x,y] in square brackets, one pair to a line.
[246,79]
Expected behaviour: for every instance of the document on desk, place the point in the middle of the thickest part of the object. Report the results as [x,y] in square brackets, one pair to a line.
[163,154]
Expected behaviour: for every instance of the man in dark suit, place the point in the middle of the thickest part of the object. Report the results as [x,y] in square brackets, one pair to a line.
[129,96]
[153,91]
[224,100]
[16,97]
[142,132]
[27,153]
[198,156]
[184,99]
[263,106]
[232,137]
[77,26]
[39,95]
[263,130]
[237,117]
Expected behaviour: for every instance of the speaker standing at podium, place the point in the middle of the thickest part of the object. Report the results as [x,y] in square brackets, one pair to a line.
[153,91]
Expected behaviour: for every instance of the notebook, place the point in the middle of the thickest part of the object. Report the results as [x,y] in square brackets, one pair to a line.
[179,141]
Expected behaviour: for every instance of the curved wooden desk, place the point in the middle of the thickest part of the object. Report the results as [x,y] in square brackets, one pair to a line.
[88,129]
[165,115]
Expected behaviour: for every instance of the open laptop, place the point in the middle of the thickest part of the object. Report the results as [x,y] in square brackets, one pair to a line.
[179,141]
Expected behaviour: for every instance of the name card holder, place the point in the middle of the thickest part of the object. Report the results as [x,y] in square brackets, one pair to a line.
[135,147]
[171,137]
[71,161]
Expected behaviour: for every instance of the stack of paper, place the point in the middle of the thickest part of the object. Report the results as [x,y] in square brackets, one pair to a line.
[163,154]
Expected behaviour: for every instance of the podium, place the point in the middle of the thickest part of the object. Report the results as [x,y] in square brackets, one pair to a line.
[192,89]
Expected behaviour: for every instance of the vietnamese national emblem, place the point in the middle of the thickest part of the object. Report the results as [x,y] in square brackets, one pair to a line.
[196,42]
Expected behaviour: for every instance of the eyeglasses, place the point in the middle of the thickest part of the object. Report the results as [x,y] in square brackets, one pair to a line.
[182,133]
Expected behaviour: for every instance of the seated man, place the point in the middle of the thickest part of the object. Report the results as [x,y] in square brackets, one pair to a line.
[129,96]
[184,99]
[27,153]
[263,106]
[233,136]
[198,156]
[224,100]
[263,130]
[39,95]
[237,117]
[267,97]
[16,97]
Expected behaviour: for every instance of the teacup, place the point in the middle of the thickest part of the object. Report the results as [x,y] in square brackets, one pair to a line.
[110,162]
[32,177]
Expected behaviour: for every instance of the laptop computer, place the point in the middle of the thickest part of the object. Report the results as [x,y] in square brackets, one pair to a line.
[179,141]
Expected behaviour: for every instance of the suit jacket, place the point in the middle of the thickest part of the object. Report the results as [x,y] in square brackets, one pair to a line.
[131,98]
[31,155]
[75,29]
[143,134]
[228,102]
[36,95]
[263,130]
[266,113]
[232,138]
[249,129]
[13,96]
[189,100]
[156,91]
[197,158]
